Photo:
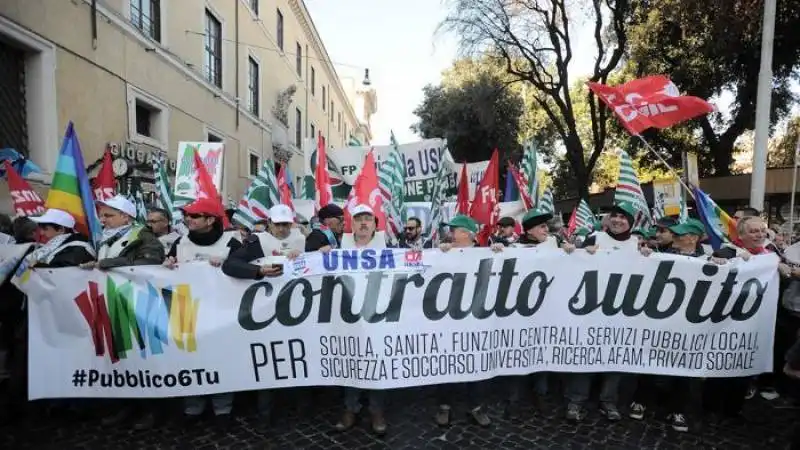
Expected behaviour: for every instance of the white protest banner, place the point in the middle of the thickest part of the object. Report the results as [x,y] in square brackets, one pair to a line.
[211,153]
[10,256]
[422,160]
[469,315]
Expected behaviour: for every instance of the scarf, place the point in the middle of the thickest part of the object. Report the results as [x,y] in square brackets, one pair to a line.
[753,251]
[42,253]
[204,239]
[621,236]
[112,234]
[328,234]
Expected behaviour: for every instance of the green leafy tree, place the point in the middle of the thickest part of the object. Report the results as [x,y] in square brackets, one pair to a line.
[783,146]
[707,48]
[475,110]
[533,40]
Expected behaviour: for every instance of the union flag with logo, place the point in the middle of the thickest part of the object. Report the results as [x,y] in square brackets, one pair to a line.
[650,102]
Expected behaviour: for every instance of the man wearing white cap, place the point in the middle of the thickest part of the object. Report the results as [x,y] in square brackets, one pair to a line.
[62,246]
[262,255]
[364,235]
[126,244]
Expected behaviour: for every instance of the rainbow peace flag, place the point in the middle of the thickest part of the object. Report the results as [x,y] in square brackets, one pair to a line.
[71,191]
[719,225]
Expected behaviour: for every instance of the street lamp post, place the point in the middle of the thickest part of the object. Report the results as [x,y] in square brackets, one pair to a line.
[763,100]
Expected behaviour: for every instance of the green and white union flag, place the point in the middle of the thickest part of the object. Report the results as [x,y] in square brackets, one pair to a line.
[261,195]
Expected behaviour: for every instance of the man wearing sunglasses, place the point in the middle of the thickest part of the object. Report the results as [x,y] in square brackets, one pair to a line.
[205,241]
[327,234]
[412,235]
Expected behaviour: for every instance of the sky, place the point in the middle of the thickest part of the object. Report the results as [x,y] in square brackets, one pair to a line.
[395,40]
[398,42]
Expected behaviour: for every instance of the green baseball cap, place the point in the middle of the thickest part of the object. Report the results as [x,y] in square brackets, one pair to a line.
[691,226]
[626,208]
[535,217]
[462,221]
[645,232]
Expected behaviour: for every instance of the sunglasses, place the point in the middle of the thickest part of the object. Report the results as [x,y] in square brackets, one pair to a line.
[411,228]
[195,216]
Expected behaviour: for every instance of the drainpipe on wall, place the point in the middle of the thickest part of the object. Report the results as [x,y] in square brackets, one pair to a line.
[236,56]
[94,24]
[308,88]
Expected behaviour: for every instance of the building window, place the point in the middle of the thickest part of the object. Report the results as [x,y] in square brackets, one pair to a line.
[298,60]
[213,61]
[279,30]
[13,114]
[146,16]
[339,122]
[323,98]
[344,135]
[298,128]
[313,81]
[144,119]
[312,131]
[254,6]
[148,119]
[254,163]
[253,86]
[212,137]
[331,111]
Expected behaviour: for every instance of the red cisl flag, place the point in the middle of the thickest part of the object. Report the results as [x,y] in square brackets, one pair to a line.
[26,201]
[650,102]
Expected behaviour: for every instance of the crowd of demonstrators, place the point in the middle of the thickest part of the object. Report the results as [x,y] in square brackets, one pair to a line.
[260,252]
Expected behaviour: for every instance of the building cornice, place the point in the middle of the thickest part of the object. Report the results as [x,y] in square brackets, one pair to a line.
[307,23]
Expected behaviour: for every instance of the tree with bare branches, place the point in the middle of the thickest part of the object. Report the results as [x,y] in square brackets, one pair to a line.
[533,39]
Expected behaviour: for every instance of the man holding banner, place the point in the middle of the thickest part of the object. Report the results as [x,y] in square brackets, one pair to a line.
[616,238]
[126,244]
[205,241]
[464,232]
[684,238]
[364,236]
[262,256]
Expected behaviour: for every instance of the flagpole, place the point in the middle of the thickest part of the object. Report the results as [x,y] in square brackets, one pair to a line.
[663,161]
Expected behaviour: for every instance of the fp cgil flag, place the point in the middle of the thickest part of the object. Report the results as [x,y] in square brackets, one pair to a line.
[650,102]
[26,201]
[484,205]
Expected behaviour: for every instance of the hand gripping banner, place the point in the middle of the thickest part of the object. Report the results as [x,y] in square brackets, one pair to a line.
[383,319]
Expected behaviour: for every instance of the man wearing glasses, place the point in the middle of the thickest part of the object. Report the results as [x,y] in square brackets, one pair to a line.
[412,235]
[158,221]
[327,234]
[205,241]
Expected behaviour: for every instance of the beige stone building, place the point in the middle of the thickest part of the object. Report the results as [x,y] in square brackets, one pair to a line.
[139,76]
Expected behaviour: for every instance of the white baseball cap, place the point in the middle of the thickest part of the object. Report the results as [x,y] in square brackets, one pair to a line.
[361,209]
[281,214]
[56,217]
[121,204]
